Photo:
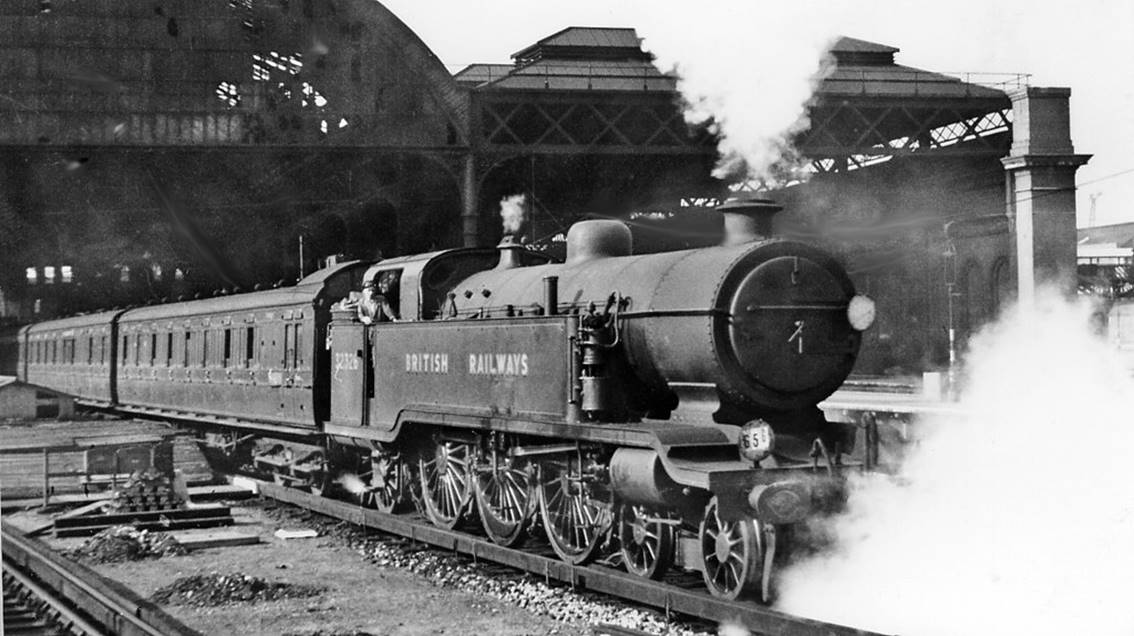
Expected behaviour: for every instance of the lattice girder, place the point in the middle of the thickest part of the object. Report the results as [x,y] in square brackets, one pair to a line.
[600,123]
[876,128]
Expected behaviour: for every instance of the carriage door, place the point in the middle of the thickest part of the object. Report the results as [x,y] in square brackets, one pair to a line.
[350,374]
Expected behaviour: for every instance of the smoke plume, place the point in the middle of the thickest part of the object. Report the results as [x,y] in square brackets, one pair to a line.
[513,213]
[753,75]
[1017,519]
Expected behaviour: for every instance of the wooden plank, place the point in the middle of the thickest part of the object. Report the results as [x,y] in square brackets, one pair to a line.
[146,516]
[56,500]
[77,512]
[166,526]
[41,528]
[218,492]
[82,510]
[222,539]
[120,440]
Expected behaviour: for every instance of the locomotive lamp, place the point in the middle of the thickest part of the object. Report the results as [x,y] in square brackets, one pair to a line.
[860,312]
[756,440]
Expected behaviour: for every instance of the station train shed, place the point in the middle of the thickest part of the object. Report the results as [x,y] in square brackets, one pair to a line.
[161,149]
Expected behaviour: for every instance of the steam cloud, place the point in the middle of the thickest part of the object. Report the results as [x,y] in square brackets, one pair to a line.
[351,483]
[1018,519]
[513,212]
[754,74]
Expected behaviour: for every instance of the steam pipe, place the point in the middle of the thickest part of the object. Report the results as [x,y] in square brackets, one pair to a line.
[551,294]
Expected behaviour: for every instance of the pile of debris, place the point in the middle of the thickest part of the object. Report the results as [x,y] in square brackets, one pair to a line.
[212,590]
[117,544]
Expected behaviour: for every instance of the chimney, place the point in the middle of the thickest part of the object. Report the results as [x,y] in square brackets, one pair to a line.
[747,218]
[509,253]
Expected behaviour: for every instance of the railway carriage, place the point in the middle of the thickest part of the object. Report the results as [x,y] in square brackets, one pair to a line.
[254,360]
[72,355]
[658,406]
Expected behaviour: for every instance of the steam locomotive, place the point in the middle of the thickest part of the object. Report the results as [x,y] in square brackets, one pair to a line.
[659,407]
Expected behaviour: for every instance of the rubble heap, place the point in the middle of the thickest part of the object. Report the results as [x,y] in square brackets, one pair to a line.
[117,544]
[211,590]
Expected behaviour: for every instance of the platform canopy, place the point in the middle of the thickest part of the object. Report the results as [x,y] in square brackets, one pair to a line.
[869,108]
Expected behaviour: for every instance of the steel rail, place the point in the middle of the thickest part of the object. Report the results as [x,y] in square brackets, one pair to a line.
[94,604]
[62,614]
[695,603]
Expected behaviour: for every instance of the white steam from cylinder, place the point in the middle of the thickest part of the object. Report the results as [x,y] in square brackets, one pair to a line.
[513,213]
[1017,519]
[352,484]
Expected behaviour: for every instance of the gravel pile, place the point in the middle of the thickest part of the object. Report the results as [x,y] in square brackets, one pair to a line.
[449,570]
[126,543]
[211,590]
[523,590]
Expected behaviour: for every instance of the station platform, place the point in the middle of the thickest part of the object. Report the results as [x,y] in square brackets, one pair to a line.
[899,398]
[66,453]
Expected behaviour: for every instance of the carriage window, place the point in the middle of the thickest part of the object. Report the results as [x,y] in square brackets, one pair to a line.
[90,350]
[227,347]
[153,349]
[205,348]
[298,358]
[169,349]
[122,354]
[287,329]
[249,346]
[102,350]
[188,344]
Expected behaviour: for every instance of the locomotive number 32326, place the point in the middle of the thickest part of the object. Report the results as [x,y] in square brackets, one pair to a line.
[346,362]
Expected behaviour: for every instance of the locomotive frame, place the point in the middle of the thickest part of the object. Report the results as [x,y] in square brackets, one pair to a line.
[635,416]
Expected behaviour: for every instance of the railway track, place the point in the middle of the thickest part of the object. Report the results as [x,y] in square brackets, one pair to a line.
[671,598]
[47,594]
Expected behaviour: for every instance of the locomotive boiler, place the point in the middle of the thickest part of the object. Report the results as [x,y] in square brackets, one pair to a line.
[657,409]
[661,405]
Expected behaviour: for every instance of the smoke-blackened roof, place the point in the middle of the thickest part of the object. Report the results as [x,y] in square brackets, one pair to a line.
[576,58]
[589,42]
[867,69]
